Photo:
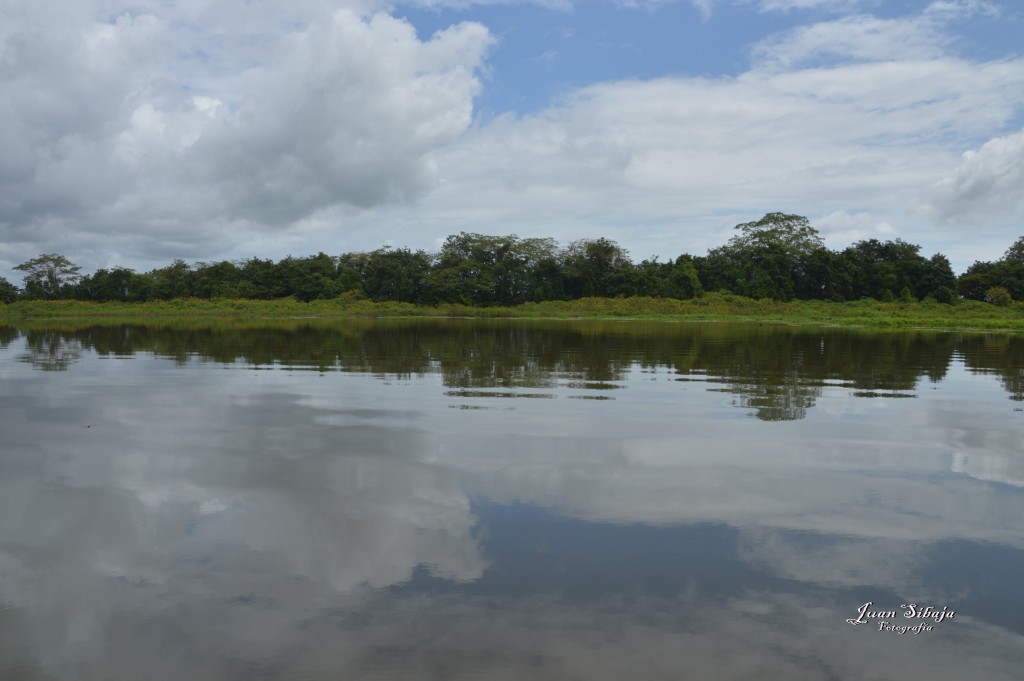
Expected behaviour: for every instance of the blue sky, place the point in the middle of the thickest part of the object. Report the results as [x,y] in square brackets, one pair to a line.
[541,52]
[140,132]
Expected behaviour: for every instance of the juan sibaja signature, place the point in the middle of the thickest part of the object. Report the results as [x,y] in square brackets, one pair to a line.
[886,618]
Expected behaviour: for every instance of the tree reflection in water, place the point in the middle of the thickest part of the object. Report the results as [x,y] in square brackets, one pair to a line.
[776,371]
[51,350]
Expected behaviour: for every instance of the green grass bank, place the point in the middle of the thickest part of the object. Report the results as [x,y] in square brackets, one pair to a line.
[713,306]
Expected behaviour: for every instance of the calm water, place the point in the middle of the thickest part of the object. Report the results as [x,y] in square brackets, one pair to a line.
[509,500]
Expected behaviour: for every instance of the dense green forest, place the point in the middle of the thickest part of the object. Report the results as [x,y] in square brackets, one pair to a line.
[780,257]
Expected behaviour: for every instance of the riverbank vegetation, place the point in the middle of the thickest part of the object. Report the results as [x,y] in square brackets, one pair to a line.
[710,306]
[775,267]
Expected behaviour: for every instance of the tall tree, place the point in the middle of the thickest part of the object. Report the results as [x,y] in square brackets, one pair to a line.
[395,274]
[1012,269]
[259,279]
[978,278]
[1016,251]
[49,276]
[1007,273]
[350,271]
[937,279]
[477,269]
[676,279]
[778,256]
[793,234]
[8,292]
[597,267]
[682,280]
[174,281]
[215,280]
[877,269]
[311,277]
[106,284]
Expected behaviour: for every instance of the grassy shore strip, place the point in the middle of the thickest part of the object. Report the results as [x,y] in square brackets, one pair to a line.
[713,306]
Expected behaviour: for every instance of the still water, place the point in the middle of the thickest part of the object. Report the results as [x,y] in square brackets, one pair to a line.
[456,499]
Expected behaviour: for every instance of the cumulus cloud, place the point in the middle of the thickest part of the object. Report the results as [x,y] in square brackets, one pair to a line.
[204,131]
[988,180]
[113,127]
[645,160]
[350,115]
[841,228]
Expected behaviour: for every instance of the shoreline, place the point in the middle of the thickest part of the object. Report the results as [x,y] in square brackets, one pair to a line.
[718,307]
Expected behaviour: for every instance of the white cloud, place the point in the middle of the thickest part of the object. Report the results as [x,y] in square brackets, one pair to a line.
[205,131]
[789,5]
[841,228]
[865,37]
[350,114]
[951,10]
[115,127]
[940,8]
[859,38]
[704,7]
[660,159]
[987,181]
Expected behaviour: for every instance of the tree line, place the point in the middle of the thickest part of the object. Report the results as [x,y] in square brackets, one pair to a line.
[779,256]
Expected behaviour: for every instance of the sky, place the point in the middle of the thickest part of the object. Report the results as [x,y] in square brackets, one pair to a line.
[137,132]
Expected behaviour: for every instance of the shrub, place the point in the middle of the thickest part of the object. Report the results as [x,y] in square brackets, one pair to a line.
[944,294]
[998,295]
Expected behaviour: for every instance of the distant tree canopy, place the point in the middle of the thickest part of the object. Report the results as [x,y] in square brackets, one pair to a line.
[875,269]
[49,276]
[476,269]
[1007,273]
[1015,253]
[780,256]
[395,274]
[8,291]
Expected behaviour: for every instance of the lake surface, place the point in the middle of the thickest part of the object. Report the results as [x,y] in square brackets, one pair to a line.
[458,499]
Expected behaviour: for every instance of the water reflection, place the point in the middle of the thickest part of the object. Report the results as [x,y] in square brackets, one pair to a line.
[777,372]
[997,354]
[51,351]
[223,515]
